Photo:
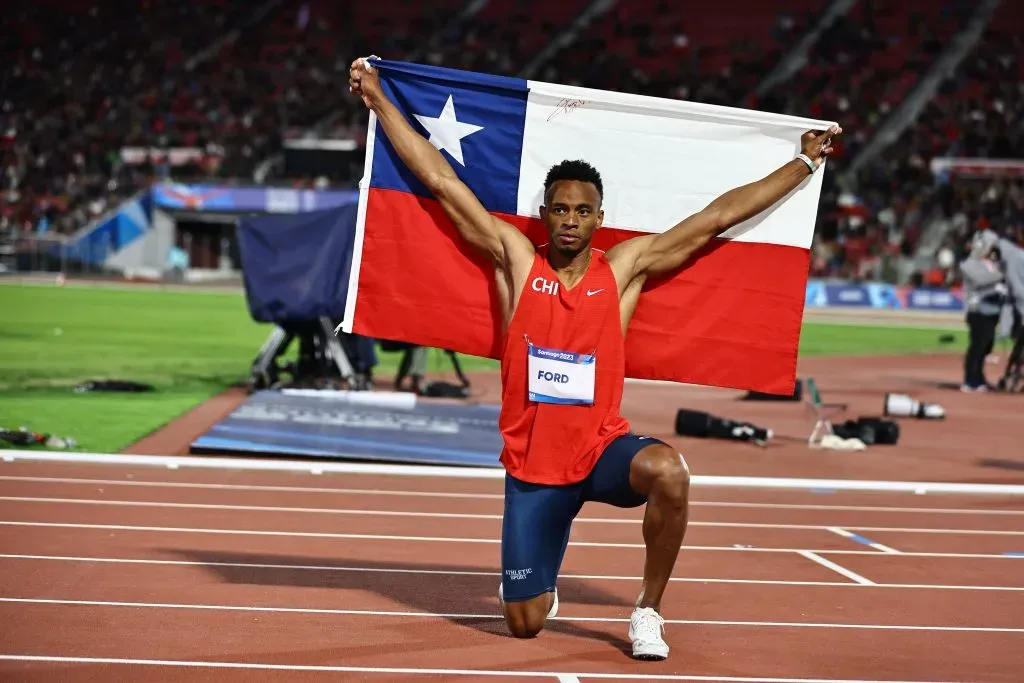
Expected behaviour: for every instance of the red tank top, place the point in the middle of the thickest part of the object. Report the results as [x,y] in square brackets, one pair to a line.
[548,443]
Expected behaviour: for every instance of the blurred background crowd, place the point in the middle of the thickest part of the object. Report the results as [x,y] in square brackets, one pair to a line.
[88,88]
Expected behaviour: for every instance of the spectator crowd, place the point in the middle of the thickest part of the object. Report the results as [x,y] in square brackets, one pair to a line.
[90,89]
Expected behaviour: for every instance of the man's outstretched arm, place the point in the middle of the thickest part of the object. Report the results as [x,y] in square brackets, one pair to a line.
[479,228]
[660,254]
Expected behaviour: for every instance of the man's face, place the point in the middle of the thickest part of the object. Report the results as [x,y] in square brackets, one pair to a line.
[572,214]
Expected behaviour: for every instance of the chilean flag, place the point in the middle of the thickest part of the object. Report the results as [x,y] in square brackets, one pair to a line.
[730,317]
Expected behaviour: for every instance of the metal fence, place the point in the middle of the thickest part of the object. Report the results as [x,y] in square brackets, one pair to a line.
[194,257]
[50,254]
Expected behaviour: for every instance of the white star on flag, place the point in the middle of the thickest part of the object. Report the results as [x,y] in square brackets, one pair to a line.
[446,131]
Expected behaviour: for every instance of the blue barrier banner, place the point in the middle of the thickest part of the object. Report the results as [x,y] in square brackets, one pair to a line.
[883,296]
[257,199]
[934,300]
[816,297]
[847,295]
[877,295]
[109,236]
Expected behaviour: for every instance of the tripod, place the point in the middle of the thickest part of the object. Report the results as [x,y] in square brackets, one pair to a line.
[1012,380]
[321,360]
[413,365]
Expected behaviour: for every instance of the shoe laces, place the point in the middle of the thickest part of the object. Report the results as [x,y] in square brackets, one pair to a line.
[648,625]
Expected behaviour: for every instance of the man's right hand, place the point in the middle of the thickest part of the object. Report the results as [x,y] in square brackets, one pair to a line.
[363,81]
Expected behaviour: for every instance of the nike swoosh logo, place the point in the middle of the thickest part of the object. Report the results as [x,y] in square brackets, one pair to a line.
[592,293]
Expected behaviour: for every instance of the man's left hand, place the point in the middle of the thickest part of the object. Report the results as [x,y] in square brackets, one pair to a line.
[817,144]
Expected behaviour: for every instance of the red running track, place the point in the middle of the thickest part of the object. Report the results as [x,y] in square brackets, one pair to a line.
[145,574]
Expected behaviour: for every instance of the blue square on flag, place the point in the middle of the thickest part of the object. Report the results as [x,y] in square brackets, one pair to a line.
[476,120]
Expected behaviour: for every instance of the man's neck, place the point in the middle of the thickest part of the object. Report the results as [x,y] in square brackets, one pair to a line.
[570,267]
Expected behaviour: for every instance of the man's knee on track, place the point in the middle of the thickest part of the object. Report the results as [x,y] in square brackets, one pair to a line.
[668,473]
[526,619]
[524,628]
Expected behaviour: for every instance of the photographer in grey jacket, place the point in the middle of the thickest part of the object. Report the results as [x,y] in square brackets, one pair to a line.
[985,291]
[1011,261]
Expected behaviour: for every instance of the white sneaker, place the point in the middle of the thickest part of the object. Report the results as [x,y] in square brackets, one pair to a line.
[645,629]
[501,601]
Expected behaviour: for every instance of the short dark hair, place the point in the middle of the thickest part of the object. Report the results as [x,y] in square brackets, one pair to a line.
[573,170]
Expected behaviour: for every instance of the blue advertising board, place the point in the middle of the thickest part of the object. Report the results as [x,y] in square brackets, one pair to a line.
[880,296]
[315,424]
[933,300]
[248,199]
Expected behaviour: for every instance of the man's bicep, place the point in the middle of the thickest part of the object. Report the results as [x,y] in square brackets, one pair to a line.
[474,223]
[668,251]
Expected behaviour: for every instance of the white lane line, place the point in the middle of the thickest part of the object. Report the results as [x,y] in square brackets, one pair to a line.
[495,473]
[478,516]
[969,532]
[863,541]
[267,508]
[254,487]
[482,496]
[857,508]
[449,539]
[839,569]
[465,572]
[497,616]
[428,672]
[568,678]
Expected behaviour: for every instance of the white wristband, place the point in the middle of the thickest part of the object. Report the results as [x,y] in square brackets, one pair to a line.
[807,160]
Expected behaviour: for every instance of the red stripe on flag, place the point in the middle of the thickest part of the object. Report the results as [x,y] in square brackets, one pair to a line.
[419,282]
[730,318]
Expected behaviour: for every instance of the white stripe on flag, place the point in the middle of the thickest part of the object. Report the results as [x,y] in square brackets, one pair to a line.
[357,251]
[662,160]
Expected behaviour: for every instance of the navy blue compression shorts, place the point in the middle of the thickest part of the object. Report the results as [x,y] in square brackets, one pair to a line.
[537,519]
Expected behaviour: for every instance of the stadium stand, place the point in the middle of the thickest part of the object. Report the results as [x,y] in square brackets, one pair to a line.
[976,113]
[504,35]
[235,80]
[693,52]
[111,79]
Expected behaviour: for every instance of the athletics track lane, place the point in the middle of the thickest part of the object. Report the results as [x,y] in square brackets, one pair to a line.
[155,626]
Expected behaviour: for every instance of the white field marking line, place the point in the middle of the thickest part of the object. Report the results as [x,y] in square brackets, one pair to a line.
[480,516]
[462,572]
[429,672]
[849,534]
[483,496]
[568,678]
[839,569]
[496,616]
[448,539]
[493,473]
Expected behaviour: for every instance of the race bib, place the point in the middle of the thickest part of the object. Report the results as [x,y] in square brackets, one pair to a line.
[561,377]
